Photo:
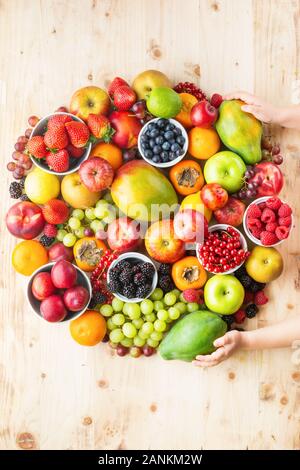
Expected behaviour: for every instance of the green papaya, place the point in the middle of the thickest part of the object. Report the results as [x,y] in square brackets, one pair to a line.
[241,132]
[192,335]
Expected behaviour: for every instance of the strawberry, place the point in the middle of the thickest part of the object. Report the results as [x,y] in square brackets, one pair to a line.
[100,127]
[268,215]
[75,152]
[59,161]
[124,98]
[286,221]
[116,83]
[239,316]
[254,212]
[57,120]
[36,146]
[56,138]
[55,212]
[260,298]
[253,223]
[282,232]
[268,238]
[284,210]
[273,203]
[78,133]
[50,230]
[271,227]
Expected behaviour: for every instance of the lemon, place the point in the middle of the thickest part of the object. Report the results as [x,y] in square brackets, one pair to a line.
[40,186]
[164,102]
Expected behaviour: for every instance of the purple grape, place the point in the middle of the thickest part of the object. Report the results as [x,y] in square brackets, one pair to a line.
[88,232]
[276,150]
[278,159]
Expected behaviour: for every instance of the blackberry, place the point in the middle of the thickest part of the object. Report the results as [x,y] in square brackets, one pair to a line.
[229,319]
[251,310]
[166,283]
[246,281]
[15,190]
[129,291]
[97,298]
[114,274]
[143,291]
[24,197]
[136,269]
[164,269]
[126,276]
[114,286]
[147,269]
[139,279]
[46,241]
[123,265]
[22,182]
[256,286]
[240,272]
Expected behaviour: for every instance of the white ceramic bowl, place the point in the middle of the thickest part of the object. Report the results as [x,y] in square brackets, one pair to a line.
[247,231]
[82,279]
[40,128]
[216,227]
[176,160]
[137,257]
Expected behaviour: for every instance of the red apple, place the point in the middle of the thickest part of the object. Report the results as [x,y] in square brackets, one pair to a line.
[59,251]
[127,128]
[203,114]
[96,174]
[269,178]
[162,244]
[42,286]
[25,220]
[214,196]
[190,226]
[63,274]
[76,298]
[232,213]
[53,309]
[123,234]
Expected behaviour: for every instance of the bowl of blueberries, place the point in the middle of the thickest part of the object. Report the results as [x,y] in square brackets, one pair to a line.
[163,142]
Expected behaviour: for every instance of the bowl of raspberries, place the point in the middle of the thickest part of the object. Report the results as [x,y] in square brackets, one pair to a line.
[132,277]
[268,221]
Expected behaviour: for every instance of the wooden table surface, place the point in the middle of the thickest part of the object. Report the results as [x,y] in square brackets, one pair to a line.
[55,394]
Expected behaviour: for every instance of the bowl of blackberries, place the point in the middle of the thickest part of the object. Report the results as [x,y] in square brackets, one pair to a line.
[132,277]
[163,142]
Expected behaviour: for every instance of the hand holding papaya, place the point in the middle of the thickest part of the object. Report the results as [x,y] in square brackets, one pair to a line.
[226,345]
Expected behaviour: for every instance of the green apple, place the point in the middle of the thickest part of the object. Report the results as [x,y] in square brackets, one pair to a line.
[227,169]
[223,294]
[265,264]
[146,81]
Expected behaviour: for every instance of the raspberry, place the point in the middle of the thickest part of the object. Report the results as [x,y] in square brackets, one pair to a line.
[254,212]
[286,221]
[268,215]
[216,100]
[273,203]
[262,206]
[239,316]
[254,223]
[260,298]
[284,210]
[249,296]
[268,238]
[50,230]
[193,295]
[282,232]
[256,232]
[271,227]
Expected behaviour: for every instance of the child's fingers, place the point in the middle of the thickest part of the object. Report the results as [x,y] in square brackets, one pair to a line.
[256,111]
[205,364]
[215,356]
[241,95]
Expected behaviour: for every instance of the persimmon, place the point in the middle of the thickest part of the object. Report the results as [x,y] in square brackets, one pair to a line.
[87,252]
[188,273]
[187,177]
[188,101]
[109,152]
[89,329]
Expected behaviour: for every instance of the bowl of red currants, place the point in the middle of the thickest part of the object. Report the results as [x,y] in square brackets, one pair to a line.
[223,251]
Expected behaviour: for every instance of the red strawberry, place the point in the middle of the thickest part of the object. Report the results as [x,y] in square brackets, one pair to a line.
[239,316]
[124,98]
[75,152]
[286,221]
[36,146]
[56,138]
[58,161]
[50,230]
[116,83]
[256,232]
[284,210]
[260,298]
[78,133]
[282,232]
[271,227]
[249,296]
[57,120]
[254,212]
[268,216]
[273,203]
[268,238]
[100,127]
[253,223]
[55,212]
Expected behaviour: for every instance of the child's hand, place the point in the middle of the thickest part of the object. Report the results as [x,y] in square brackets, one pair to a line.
[226,345]
[259,108]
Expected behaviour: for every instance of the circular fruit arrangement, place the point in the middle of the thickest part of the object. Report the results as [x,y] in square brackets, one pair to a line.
[148,216]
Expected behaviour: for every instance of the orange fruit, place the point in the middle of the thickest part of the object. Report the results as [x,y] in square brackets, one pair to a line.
[188,101]
[28,256]
[203,143]
[109,152]
[88,329]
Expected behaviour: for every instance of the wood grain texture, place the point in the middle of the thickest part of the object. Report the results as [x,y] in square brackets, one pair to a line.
[55,394]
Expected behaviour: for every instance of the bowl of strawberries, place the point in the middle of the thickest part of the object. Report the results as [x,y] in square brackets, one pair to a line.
[59,143]
[268,221]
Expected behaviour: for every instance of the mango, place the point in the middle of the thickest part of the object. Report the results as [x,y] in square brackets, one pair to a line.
[194,201]
[192,335]
[241,132]
[142,192]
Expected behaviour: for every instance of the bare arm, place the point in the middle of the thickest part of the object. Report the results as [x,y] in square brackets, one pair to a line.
[280,335]
[284,116]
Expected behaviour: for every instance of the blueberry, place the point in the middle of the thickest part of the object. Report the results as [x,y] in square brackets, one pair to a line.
[177,131]
[148,154]
[157,149]
[154,133]
[156,159]
[164,156]
[172,141]
[144,138]
[144,145]
[178,152]
[172,155]
[161,123]
[151,126]
[159,140]
[169,135]
[180,140]
[170,127]
[151,143]
[166,146]
[175,147]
